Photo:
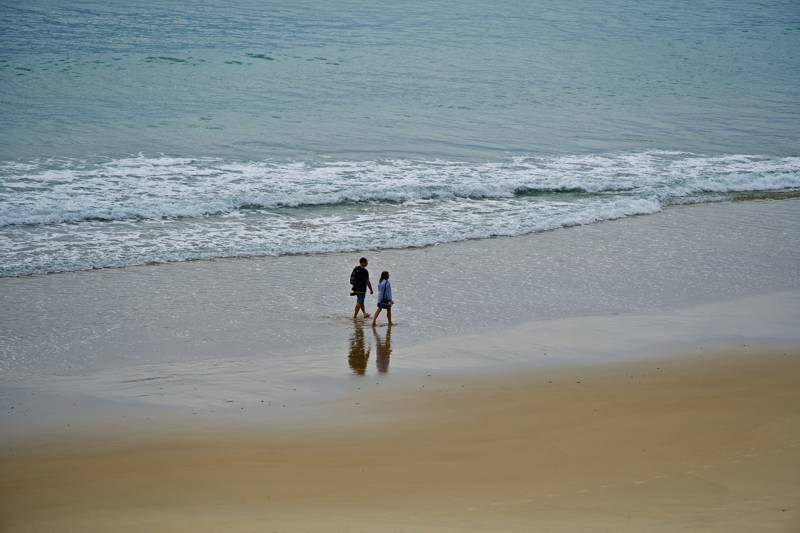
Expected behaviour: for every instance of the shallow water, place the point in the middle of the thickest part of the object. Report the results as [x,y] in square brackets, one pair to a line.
[293,311]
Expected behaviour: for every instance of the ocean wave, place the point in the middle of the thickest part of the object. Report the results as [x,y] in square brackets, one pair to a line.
[65,215]
[156,188]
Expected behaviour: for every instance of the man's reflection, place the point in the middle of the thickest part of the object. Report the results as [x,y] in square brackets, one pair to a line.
[359,354]
[383,348]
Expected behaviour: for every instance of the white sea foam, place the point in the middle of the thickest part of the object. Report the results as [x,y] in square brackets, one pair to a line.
[49,192]
[40,249]
[71,215]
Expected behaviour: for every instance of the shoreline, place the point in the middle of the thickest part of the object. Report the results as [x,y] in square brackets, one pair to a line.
[735,197]
[203,309]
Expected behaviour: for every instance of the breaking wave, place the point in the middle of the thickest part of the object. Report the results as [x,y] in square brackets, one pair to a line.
[143,188]
[64,215]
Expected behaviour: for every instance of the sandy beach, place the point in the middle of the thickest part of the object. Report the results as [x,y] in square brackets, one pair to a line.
[657,394]
[698,442]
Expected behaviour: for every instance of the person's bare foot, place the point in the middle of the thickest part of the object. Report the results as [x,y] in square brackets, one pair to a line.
[367,315]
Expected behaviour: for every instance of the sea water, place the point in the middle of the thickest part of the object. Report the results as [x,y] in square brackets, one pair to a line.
[159,131]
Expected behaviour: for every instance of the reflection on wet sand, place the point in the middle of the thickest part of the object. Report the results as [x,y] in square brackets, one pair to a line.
[383,347]
[359,353]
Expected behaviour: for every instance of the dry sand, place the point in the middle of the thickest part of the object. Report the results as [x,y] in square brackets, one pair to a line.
[692,443]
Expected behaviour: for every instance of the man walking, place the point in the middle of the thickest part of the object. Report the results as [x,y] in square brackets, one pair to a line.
[359,279]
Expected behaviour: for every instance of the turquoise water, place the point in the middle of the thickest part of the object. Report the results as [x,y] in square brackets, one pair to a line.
[165,131]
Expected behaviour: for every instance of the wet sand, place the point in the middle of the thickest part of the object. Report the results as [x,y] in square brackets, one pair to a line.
[295,310]
[696,442]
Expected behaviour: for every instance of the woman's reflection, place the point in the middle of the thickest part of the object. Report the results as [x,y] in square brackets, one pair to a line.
[383,347]
[359,354]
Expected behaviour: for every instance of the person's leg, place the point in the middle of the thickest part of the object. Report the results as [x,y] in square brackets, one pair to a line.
[360,305]
[389,315]
[375,318]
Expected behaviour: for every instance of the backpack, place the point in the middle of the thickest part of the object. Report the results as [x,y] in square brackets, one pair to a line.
[353,276]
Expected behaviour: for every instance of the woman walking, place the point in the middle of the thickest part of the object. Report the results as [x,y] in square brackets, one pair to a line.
[384,298]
